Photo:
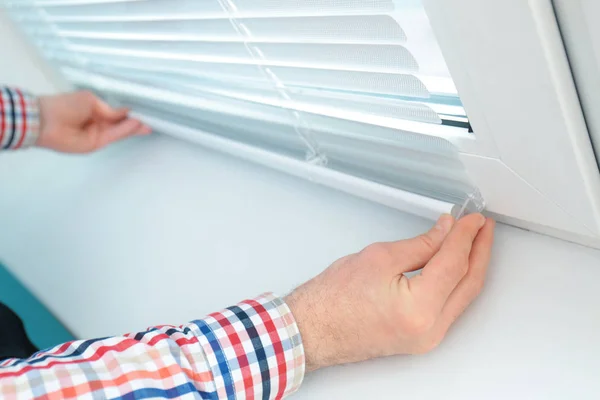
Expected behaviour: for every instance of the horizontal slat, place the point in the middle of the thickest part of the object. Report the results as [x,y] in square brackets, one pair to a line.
[61,3]
[151,10]
[360,108]
[342,57]
[352,81]
[447,110]
[363,29]
[394,83]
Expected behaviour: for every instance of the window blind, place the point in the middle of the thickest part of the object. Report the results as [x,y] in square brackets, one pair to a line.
[351,88]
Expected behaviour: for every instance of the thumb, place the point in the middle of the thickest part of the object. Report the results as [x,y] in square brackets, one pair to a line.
[417,252]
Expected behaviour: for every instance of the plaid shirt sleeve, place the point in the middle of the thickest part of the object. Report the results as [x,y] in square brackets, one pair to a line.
[249,351]
[19,119]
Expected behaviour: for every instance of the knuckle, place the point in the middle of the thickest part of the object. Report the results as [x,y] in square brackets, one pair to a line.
[427,346]
[85,97]
[376,251]
[427,242]
[419,324]
[87,94]
[463,267]
[456,270]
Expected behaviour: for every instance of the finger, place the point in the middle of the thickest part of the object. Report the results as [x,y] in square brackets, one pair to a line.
[105,111]
[120,131]
[446,269]
[144,130]
[470,286]
[414,253]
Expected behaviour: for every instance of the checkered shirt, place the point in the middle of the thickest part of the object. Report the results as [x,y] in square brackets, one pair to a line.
[249,351]
[19,119]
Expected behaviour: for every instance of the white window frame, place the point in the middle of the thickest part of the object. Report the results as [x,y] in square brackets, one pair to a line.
[581,34]
[531,154]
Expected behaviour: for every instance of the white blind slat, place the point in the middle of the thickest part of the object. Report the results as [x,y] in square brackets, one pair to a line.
[344,57]
[159,9]
[355,106]
[350,81]
[367,29]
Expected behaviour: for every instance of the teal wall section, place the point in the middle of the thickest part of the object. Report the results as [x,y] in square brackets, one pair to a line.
[43,328]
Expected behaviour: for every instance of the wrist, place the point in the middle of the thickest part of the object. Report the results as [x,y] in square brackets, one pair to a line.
[42,139]
[318,339]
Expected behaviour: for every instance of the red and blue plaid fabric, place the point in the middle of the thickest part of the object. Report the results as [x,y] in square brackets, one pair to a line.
[249,351]
[19,119]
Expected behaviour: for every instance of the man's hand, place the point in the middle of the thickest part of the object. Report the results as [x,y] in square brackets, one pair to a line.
[363,306]
[80,123]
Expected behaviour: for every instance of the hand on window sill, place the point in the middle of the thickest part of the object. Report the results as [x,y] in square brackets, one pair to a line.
[363,306]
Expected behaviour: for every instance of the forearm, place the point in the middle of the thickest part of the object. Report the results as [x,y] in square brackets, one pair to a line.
[251,350]
[19,119]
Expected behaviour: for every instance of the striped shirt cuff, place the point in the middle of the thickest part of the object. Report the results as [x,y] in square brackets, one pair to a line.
[19,119]
[254,349]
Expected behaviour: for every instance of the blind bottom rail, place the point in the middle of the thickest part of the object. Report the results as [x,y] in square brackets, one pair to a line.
[395,198]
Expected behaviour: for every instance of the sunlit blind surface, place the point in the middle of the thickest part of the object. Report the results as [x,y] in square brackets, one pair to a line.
[358,86]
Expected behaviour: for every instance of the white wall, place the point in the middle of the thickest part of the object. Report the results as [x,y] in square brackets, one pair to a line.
[160,231]
[21,65]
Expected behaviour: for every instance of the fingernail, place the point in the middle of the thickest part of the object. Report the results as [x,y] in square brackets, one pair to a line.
[444,223]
